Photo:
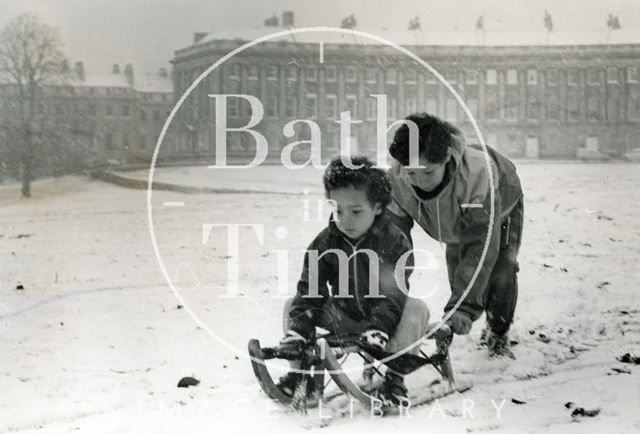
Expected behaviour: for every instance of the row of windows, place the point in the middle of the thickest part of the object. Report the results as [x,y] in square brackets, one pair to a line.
[92,110]
[109,141]
[532,76]
[534,109]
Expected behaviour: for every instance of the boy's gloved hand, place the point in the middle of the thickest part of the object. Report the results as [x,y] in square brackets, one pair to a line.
[459,323]
[292,337]
[375,338]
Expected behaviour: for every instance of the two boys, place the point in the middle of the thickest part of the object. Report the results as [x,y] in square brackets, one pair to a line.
[351,282]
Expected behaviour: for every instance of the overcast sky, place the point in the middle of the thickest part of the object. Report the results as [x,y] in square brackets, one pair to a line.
[146,32]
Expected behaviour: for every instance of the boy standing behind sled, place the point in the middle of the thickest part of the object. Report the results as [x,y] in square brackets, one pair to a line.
[338,293]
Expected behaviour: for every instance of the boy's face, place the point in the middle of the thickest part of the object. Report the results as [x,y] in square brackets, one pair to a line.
[428,177]
[353,213]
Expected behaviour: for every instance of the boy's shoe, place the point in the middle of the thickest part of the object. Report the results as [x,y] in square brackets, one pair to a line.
[484,337]
[367,383]
[393,392]
[499,346]
[288,384]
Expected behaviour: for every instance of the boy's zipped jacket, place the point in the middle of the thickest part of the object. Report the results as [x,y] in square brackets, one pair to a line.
[384,244]
[459,214]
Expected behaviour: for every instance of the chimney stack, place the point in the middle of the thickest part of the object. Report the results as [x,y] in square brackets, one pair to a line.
[272,21]
[79,70]
[128,72]
[287,19]
[115,69]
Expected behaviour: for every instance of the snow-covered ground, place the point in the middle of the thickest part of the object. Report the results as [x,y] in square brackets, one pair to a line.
[95,342]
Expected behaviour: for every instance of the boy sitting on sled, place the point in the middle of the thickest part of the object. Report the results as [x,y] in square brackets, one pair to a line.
[338,293]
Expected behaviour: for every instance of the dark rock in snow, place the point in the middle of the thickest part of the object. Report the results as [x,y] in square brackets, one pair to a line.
[628,358]
[188,381]
[517,401]
[19,287]
[587,413]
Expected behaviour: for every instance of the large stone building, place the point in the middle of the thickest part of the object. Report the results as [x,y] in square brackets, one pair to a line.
[538,95]
[113,117]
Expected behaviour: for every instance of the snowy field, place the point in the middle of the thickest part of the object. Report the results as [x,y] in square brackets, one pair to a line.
[96,341]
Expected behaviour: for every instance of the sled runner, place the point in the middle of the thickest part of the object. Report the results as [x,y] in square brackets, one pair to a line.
[329,354]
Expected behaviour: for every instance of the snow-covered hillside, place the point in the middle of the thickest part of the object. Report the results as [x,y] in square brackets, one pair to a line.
[96,341]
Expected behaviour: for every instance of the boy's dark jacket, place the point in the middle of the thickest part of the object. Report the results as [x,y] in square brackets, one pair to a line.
[382,313]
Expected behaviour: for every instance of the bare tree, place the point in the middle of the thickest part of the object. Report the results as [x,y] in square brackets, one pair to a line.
[31,57]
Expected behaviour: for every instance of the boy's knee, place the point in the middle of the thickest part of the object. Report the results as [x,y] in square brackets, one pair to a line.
[416,311]
[285,315]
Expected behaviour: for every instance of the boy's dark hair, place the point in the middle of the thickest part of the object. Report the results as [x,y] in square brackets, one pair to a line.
[434,139]
[375,182]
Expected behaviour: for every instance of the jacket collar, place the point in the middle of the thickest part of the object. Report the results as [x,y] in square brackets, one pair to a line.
[376,230]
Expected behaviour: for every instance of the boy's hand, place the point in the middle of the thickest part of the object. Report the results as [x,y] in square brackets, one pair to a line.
[375,338]
[293,338]
[459,323]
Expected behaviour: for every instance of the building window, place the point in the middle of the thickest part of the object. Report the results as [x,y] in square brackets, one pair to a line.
[125,110]
[350,74]
[312,105]
[532,77]
[143,115]
[410,77]
[272,107]
[291,108]
[143,141]
[452,110]
[472,105]
[371,75]
[511,112]
[332,107]
[492,76]
[109,110]
[272,72]
[593,108]
[233,107]
[331,74]
[371,109]
[612,75]
[92,109]
[311,73]
[491,108]
[352,105]
[533,108]
[552,77]
[512,76]
[451,75]
[391,76]
[632,74]
[593,77]
[632,107]
[432,106]
[292,73]
[472,76]
[391,108]
[125,141]
[234,71]
[572,108]
[252,72]
[613,108]
[572,77]
[108,141]
[411,105]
